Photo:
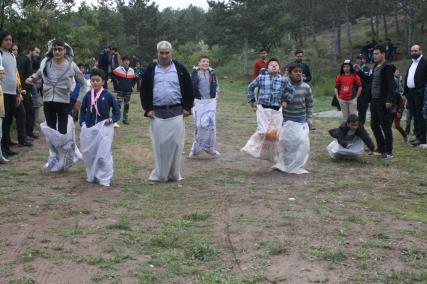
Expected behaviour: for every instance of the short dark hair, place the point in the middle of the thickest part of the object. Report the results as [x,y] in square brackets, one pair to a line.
[4,34]
[30,49]
[204,57]
[294,65]
[273,60]
[80,65]
[298,51]
[263,49]
[381,48]
[352,118]
[97,72]
[58,42]
[125,58]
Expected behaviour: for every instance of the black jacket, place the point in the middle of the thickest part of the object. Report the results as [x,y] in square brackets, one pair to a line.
[344,139]
[420,77]
[387,83]
[147,86]
[25,70]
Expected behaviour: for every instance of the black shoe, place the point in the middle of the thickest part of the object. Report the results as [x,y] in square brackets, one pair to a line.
[8,153]
[417,142]
[25,144]
[412,140]
[29,139]
[125,121]
[33,135]
[12,143]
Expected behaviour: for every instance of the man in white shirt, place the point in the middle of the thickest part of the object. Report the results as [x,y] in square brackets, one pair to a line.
[415,88]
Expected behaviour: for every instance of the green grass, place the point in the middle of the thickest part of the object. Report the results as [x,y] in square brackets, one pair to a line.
[231,214]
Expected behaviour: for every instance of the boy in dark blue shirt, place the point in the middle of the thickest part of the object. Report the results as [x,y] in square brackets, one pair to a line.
[96,136]
[97,102]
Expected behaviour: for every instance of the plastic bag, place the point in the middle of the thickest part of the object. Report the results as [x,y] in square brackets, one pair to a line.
[258,146]
[95,145]
[167,136]
[63,151]
[294,148]
[204,115]
[336,151]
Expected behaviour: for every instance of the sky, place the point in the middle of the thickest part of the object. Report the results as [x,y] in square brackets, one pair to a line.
[176,4]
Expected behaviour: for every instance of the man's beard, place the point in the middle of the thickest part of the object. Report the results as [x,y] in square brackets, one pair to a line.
[415,56]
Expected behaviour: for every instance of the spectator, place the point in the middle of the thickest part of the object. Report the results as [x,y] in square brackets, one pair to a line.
[345,85]
[416,80]
[12,99]
[262,63]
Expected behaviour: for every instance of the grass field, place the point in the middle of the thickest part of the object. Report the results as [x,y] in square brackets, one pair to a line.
[231,220]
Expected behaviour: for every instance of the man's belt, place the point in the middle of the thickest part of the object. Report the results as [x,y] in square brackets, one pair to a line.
[168,106]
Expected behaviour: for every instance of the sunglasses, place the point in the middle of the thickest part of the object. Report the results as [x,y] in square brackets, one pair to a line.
[164,52]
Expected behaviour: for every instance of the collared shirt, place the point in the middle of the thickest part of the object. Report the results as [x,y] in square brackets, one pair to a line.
[272,89]
[411,73]
[167,90]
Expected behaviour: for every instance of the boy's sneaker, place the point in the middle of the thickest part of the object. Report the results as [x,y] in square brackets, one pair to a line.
[116,125]
[125,121]
[386,156]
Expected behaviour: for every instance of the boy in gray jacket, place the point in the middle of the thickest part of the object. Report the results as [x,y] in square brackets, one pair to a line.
[57,70]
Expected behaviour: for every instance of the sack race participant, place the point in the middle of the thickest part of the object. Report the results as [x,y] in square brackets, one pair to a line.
[205,90]
[167,97]
[97,132]
[57,71]
[350,137]
[294,141]
[275,91]
[63,151]
[263,143]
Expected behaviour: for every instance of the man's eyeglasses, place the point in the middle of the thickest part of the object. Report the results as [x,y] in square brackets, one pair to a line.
[164,52]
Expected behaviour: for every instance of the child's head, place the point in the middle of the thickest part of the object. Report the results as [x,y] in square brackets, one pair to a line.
[353,121]
[81,67]
[2,73]
[396,71]
[97,78]
[204,62]
[274,66]
[125,61]
[347,67]
[295,71]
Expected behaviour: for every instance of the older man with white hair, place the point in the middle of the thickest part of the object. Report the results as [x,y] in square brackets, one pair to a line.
[167,97]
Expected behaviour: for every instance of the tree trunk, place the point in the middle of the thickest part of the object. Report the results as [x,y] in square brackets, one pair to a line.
[396,19]
[373,33]
[350,43]
[2,14]
[377,19]
[336,38]
[245,57]
[384,20]
[410,25]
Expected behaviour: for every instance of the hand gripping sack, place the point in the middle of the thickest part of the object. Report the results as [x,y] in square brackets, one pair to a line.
[95,145]
[263,143]
[335,150]
[294,148]
[63,151]
[204,115]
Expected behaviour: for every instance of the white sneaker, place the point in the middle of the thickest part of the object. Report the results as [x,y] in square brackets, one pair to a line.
[116,125]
